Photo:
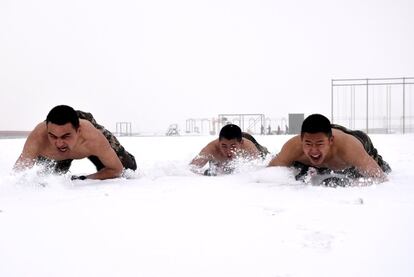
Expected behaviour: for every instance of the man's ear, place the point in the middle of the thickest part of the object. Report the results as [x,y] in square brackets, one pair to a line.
[331,140]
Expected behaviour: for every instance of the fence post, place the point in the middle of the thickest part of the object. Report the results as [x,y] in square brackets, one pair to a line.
[403,105]
[367,115]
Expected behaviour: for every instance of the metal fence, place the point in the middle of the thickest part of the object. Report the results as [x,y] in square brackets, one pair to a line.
[376,105]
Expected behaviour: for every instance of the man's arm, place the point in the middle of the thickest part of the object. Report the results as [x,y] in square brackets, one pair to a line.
[364,163]
[290,151]
[113,166]
[30,150]
[201,159]
[99,146]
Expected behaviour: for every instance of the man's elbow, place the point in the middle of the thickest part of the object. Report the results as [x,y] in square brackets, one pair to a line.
[111,173]
[118,172]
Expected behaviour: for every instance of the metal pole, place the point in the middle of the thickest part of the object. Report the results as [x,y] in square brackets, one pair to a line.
[389,109]
[241,118]
[367,108]
[403,105]
[202,127]
[353,107]
[332,101]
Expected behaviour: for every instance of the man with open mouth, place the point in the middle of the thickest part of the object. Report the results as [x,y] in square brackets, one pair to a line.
[220,153]
[68,135]
[329,148]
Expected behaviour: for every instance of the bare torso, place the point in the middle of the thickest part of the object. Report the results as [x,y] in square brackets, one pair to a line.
[345,151]
[337,158]
[80,150]
[214,155]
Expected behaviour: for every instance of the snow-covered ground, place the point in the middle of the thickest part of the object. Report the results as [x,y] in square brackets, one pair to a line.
[167,221]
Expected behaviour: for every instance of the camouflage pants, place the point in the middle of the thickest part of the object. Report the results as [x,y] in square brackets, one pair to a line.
[127,160]
[351,172]
[263,150]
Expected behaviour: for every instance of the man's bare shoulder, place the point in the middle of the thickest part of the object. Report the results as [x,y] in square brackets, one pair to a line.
[290,152]
[40,129]
[91,137]
[247,143]
[344,143]
[249,147]
[212,147]
[293,144]
[35,145]
[87,128]
[38,135]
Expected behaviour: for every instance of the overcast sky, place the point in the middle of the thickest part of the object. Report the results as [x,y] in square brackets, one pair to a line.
[159,62]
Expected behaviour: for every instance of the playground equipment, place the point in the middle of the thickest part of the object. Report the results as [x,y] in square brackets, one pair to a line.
[124,128]
[251,123]
[173,130]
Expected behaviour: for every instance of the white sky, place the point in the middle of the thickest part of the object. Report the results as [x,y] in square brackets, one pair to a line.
[159,62]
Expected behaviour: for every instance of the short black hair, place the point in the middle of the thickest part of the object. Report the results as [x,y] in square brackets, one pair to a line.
[230,131]
[316,123]
[61,115]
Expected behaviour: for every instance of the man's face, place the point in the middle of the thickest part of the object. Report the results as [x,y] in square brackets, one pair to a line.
[229,147]
[63,137]
[316,147]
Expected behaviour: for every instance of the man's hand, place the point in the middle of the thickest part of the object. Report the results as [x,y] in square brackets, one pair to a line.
[80,177]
